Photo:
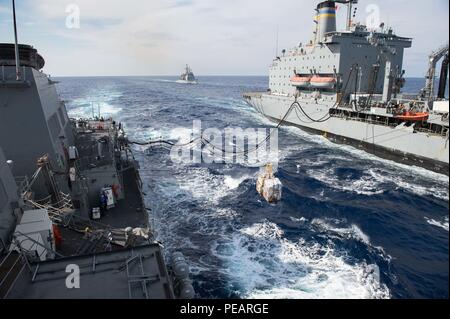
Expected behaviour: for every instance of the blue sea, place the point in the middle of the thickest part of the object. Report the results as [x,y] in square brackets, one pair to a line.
[350,225]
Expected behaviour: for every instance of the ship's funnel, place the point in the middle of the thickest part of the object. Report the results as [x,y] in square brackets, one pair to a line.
[326,18]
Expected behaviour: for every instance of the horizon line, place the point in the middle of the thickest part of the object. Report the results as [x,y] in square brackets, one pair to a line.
[169,75]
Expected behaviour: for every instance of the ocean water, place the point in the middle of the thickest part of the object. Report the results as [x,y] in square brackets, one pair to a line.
[350,225]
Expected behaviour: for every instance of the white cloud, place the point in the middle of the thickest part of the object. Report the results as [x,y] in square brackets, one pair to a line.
[216,37]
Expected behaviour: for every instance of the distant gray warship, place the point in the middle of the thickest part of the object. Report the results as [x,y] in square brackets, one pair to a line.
[70,194]
[346,86]
[188,76]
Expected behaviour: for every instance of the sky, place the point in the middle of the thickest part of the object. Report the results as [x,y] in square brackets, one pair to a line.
[227,37]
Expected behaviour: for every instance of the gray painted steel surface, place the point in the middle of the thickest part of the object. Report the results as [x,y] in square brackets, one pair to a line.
[362,61]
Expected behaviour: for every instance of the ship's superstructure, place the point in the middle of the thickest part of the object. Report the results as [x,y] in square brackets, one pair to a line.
[347,86]
[188,76]
[41,124]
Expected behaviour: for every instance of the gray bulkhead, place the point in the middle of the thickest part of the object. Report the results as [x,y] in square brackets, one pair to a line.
[335,54]
[33,121]
[9,202]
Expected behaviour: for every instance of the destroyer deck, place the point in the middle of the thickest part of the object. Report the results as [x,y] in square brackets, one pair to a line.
[137,273]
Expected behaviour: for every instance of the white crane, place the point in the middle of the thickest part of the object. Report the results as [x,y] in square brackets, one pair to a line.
[427,92]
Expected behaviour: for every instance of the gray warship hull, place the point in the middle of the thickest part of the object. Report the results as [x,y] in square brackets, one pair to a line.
[400,143]
[347,86]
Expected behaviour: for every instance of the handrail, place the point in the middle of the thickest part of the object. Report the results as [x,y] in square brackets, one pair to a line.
[9,271]
[6,257]
[36,242]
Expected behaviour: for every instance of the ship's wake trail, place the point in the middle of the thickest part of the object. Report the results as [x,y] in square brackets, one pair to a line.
[268,265]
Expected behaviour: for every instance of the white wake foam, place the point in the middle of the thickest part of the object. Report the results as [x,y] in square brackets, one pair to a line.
[442,224]
[267,265]
[366,185]
[88,107]
[350,232]
[208,187]
[377,181]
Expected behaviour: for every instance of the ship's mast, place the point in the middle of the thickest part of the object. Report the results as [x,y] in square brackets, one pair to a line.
[349,4]
[349,15]
[16,44]
[278,35]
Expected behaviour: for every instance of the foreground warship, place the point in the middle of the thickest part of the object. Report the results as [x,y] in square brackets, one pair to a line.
[346,86]
[71,194]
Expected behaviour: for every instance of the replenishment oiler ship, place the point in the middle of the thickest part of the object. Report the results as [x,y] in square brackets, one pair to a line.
[346,85]
[73,223]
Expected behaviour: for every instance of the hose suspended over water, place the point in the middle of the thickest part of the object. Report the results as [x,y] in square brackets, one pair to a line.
[294,106]
[327,116]
[207,142]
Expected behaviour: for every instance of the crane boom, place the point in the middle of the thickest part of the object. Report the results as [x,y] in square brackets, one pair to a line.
[428,91]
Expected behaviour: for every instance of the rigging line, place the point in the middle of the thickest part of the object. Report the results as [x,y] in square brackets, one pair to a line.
[387,133]
[356,85]
[374,83]
[345,88]
[321,120]
[164,142]
[300,119]
[256,148]
[32,180]
[327,116]
[315,105]
[393,138]
[207,142]
[151,142]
